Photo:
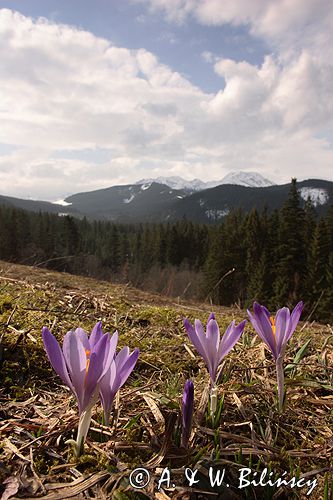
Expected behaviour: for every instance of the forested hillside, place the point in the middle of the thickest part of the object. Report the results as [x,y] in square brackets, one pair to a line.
[274,257]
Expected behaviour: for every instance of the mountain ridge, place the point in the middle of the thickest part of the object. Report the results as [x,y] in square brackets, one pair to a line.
[154,202]
[239,178]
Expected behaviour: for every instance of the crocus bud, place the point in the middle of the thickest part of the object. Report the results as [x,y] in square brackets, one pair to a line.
[187,412]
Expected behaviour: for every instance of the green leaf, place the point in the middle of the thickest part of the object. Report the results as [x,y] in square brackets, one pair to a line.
[299,356]
[131,423]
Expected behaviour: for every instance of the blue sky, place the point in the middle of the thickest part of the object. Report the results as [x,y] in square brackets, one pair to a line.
[104,92]
[129,25]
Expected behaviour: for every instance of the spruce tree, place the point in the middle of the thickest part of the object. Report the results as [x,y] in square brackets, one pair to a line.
[321,250]
[257,262]
[310,225]
[289,286]
[325,307]
[214,267]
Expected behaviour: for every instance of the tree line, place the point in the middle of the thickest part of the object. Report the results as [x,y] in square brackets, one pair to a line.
[276,258]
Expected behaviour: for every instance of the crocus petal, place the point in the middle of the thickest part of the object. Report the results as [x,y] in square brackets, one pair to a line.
[121,357]
[211,316]
[282,319]
[294,319]
[266,311]
[213,335]
[96,369]
[56,357]
[263,327]
[195,339]
[82,334]
[226,336]
[96,334]
[212,346]
[119,361]
[106,391]
[230,338]
[201,336]
[76,360]
[127,367]
[110,354]
[115,377]
[255,325]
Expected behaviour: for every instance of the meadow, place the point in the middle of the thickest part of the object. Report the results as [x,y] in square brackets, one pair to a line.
[38,414]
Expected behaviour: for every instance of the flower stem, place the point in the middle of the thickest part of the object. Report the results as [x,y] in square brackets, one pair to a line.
[83,428]
[280,381]
[213,402]
[185,436]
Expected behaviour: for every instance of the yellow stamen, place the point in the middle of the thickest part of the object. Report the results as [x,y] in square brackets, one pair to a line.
[87,365]
[272,320]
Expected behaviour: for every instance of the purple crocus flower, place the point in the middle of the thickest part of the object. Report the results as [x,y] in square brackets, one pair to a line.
[187,412]
[81,364]
[276,332]
[209,345]
[118,372]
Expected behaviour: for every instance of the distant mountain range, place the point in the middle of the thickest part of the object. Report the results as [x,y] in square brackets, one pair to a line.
[248,179]
[172,198]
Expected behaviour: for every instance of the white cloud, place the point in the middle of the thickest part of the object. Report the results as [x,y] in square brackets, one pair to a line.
[207,56]
[64,89]
[292,24]
[295,96]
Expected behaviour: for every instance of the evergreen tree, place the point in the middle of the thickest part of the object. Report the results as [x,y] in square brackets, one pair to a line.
[214,268]
[225,266]
[290,282]
[320,256]
[310,225]
[325,307]
[257,263]
[160,245]
[71,236]
[173,248]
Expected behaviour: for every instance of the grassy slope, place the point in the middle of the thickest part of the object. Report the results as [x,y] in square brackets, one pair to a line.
[38,415]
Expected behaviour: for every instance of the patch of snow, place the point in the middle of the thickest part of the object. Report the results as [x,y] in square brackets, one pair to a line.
[176,182]
[202,202]
[62,203]
[248,179]
[318,196]
[216,214]
[145,186]
[62,214]
[180,197]
[128,200]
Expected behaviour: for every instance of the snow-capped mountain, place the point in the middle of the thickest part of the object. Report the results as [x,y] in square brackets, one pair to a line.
[248,179]
[176,182]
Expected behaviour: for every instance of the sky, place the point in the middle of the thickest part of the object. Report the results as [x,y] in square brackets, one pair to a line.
[95,93]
